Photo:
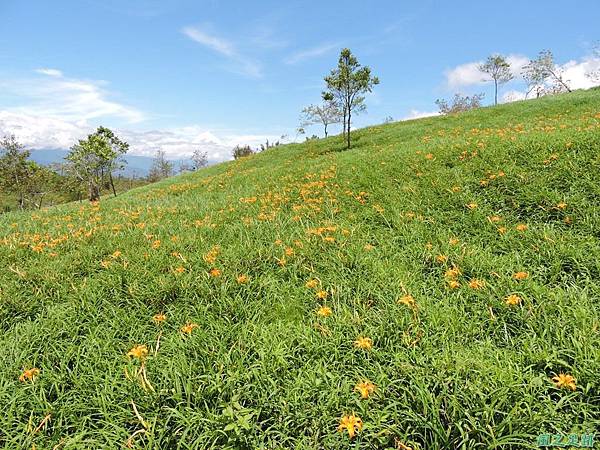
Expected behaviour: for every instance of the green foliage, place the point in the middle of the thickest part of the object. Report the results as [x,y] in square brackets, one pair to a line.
[161,167]
[455,368]
[498,69]
[345,86]
[240,151]
[93,160]
[24,180]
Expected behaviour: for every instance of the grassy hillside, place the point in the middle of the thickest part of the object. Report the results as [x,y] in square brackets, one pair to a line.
[452,262]
[57,194]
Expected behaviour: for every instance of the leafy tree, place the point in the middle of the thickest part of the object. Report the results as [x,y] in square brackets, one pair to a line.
[40,182]
[200,159]
[241,151]
[325,114]
[25,179]
[14,169]
[345,84]
[119,148]
[541,72]
[161,167]
[498,69]
[92,160]
[459,103]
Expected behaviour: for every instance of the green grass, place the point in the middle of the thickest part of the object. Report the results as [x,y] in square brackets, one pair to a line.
[461,369]
[57,194]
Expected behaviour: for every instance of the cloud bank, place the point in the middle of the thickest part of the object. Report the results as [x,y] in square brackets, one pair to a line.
[55,111]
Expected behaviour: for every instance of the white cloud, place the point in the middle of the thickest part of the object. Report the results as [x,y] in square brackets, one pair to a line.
[416,114]
[513,96]
[217,44]
[310,53]
[464,75]
[55,112]
[50,72]
[39,132]
[574,73]
[468,74]
[239,63]
[56,96]
[181,142]
[42,132]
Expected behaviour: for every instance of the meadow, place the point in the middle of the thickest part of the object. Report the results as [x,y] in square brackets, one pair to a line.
[437,286]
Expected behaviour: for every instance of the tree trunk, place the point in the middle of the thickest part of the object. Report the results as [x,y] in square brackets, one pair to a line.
[41,200]
[94,192]
[325,130]
[112,184]
[495,92]
[560,80]
[348,132]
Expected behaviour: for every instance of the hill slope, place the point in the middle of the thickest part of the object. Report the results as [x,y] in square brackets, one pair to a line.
[458,257]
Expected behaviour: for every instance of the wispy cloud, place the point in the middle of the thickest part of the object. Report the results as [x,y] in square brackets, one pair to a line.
[468,74]
[54,111]
[238,63]
[416,114]
[213,42]
[310,53]
[50,72]
[52,94]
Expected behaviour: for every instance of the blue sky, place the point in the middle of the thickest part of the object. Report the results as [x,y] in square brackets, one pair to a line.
[183,74]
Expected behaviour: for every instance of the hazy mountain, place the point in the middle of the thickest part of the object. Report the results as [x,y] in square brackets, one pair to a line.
[137,166]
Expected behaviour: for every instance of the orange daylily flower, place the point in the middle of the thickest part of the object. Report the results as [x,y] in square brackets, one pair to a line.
[520,276]
[159,318]
[565,381]
[365,388]
[324,311]
[364,343]
[351,424]
[29,374]
[512,300]
[189,327]
[139,351]
[476,284]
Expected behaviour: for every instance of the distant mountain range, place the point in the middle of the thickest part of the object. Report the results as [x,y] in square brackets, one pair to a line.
[137,166]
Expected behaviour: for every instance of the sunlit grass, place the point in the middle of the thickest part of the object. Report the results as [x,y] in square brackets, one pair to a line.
[436,286]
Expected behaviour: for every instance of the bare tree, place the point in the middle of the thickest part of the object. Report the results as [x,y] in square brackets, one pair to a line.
[325,114]
[184,167]
[459,103]
[595,75]
[543,75]
[200,159]
[498,69]
[161,167]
